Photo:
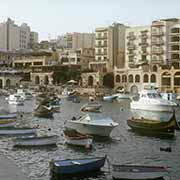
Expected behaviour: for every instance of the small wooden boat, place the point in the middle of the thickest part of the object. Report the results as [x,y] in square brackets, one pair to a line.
[72,137]
[8,116]
[152,126]
[91,107]
[70,167]
[7,123]
[136,172]
[35,141]
[16,131]
[44,111]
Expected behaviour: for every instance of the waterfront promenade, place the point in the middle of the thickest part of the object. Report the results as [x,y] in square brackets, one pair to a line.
[9,171]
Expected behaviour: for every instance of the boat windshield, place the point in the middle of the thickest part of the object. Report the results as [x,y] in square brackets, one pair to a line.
[154,95]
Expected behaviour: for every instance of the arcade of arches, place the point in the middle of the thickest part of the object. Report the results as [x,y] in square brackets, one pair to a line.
[165,80]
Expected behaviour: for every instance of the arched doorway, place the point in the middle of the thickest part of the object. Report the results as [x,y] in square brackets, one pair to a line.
[124,78]
[130,78]
[37,80]
[153,78]
[134,89]
[154,69]
[146,78]
[1,83]
[46,80]
[137,78]
[90,81]
[108,80]
[8,83]
[118,78]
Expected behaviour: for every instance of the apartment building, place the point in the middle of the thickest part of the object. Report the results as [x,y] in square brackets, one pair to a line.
[34,37]
[79,40]
[14,37]
[152,57]
[109,48]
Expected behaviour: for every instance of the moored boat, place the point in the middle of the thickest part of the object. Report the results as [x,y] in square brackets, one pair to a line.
[44,111]
[109,98]
[137,172]
[8,116]
[15,99]
[92,107]
[92,124]
[72,137]
[16,131]
[70,167]
[35,141]
[7,123]
[154,126]
[151,100]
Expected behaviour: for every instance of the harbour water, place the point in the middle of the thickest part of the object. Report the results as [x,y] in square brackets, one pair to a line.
[124,146]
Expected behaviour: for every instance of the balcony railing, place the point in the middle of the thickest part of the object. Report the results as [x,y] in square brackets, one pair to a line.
[131,46]
[101,37]
[101,53]
[143,44]
[158,51]
[157,33]
[100,45]
[158,42]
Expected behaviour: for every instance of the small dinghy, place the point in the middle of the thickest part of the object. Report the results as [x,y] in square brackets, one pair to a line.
[92,107]
[70,167]
[72,137]
[16,131]
[7,123]
[44,111]
[136,172]
[35,141]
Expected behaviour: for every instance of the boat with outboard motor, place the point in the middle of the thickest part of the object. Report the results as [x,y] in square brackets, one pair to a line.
[92,124]
[151,100]
[154,126]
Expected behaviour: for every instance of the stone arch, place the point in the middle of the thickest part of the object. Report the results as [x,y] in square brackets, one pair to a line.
[154,69]
[130,77]
[90,81]
[46,80]
[137,78]
[166,79]
[118,78]
[145,78]
[153,78]
[1,83]
[8,83]
[37,80]
[177,78]
[124,78]
[134,89]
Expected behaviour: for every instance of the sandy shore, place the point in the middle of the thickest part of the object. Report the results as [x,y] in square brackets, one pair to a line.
[9,171]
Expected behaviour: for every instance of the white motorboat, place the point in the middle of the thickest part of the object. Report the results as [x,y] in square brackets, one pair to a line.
[122,96]
[92,124]
[24,94]
[151,100]
[15,99]
[92,107]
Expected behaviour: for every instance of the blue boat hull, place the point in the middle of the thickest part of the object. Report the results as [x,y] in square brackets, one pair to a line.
[79,168]
[8,116]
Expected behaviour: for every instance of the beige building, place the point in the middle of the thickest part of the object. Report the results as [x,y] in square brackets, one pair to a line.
[109,47]
[34,38]
[14,37]
[79,40]
[152,57]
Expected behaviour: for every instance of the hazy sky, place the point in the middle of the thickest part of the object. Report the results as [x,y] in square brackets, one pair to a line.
[56,17]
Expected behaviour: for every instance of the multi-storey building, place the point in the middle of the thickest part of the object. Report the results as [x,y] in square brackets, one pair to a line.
[109,47]
[14,37]
[34,38]
[152,57]
[79,40]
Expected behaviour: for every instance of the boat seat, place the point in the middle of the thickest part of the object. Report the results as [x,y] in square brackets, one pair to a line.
[75,162]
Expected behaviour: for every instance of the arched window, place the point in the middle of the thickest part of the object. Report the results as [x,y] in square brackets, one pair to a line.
[137,78]
[118,78]
[153,78]
[46,80]
[154,68]
[124,78]
[90,81]
[37,80]
[130,78]
[146,78]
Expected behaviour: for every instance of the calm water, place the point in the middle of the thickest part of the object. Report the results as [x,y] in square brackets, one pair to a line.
[124,146]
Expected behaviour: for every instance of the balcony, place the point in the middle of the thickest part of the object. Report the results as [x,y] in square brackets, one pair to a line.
[144,44]
[158,33]
[131,37]
[101,45]
[144,36]
[101,37]
[101,53]
[158,43]
[174,51]
[157,51]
